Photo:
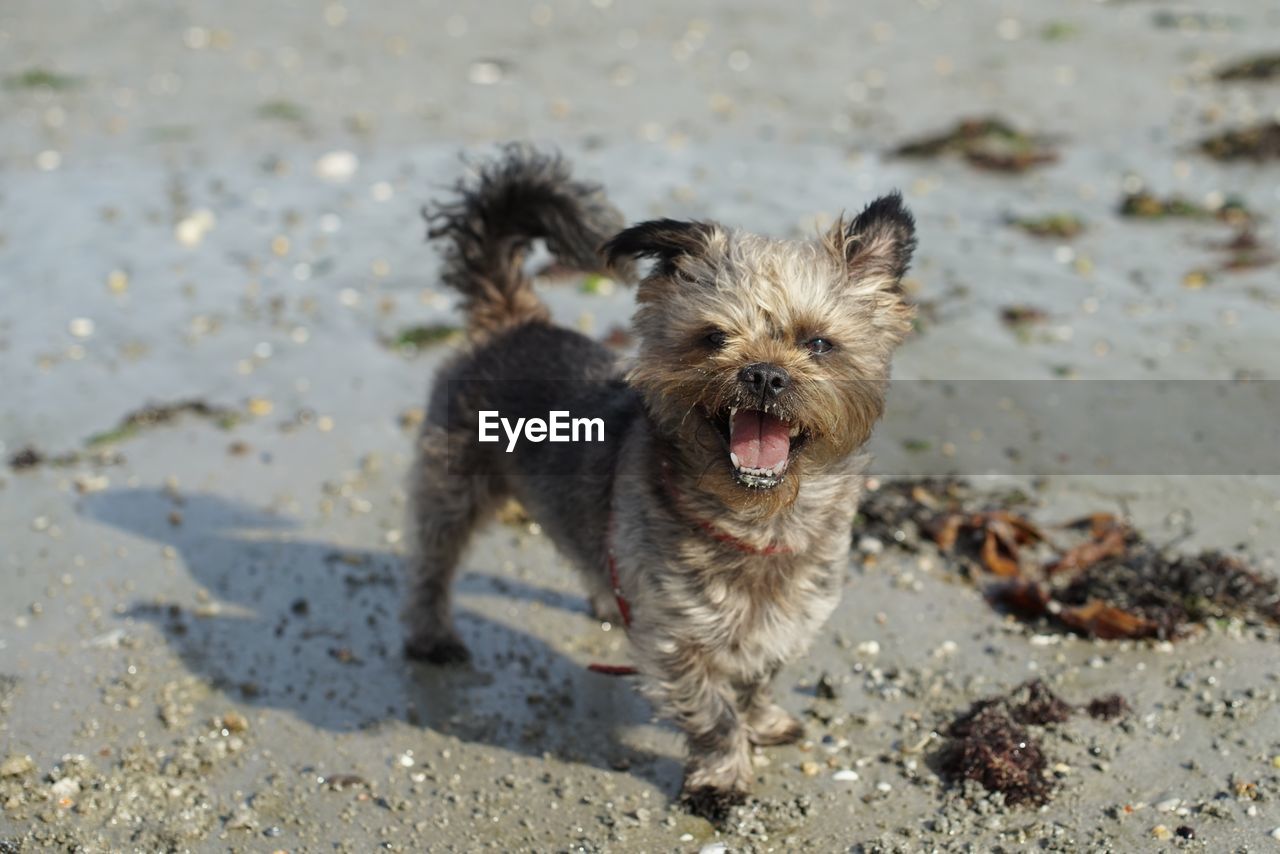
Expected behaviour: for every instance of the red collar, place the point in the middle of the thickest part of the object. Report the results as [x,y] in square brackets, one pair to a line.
[677,499]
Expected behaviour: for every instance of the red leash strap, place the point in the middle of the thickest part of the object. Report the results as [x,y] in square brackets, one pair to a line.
[611,669]
[624,608]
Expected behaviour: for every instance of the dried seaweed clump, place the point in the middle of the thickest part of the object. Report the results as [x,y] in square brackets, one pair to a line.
[1063,226]
[989,743]
[986,143]
[1255,68]
[1256,142]
[1144,205]
[157,414]
[1096,576]
[906,512]
[1163,596]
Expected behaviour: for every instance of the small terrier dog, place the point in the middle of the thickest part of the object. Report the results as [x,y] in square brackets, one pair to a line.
[715,522]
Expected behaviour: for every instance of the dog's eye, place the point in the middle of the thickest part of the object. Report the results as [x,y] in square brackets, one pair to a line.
[818,346]
[716,339]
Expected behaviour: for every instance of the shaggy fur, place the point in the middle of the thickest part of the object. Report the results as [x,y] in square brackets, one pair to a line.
[729,573]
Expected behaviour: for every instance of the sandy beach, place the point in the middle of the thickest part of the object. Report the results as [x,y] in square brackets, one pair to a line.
[219,318]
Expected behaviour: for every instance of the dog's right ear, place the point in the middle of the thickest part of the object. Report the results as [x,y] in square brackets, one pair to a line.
[663,240]
[878,244]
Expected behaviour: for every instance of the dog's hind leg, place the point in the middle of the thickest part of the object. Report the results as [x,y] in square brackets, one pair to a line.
[767,722]
[446,507]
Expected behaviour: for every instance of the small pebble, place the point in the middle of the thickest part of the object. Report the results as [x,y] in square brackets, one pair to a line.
[65,788]
[235,722]
[869,648]
[192,229]
[485,73]
[16,766]
[845,776]
[260,406]
[48,160]
[1275,834]
[337,166]
[242,818]
[884,787]
[1162,832]
[108,640]
[1168,805]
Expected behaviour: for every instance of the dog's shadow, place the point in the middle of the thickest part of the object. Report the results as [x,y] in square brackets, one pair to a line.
[311,628]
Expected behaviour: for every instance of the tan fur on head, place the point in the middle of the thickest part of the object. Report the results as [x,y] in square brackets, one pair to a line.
[769,297]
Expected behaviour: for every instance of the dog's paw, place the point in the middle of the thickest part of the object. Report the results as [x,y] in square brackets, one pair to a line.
[775,725]
[711,803]
[446,651]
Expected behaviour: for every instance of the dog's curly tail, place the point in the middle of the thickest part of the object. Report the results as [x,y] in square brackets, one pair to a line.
[494,216]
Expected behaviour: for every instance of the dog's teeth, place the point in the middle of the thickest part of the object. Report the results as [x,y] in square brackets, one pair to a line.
[733,458]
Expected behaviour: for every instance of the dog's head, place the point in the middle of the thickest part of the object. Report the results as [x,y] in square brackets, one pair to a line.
[765,360]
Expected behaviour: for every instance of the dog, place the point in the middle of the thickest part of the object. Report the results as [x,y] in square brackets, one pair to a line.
[715,521]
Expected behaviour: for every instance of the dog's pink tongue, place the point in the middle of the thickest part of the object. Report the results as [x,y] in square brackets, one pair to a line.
[759,440]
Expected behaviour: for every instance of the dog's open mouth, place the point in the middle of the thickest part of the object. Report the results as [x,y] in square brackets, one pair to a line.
[760,445]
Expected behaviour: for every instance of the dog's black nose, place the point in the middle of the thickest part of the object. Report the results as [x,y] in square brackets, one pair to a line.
[764,379]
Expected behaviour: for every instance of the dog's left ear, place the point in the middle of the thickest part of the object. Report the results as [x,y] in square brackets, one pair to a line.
[663,240]
[879,241]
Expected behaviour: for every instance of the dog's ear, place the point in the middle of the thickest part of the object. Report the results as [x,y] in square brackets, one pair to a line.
[878,243]
[663,240]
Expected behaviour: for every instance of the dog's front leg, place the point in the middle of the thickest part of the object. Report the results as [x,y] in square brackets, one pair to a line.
[719,770]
